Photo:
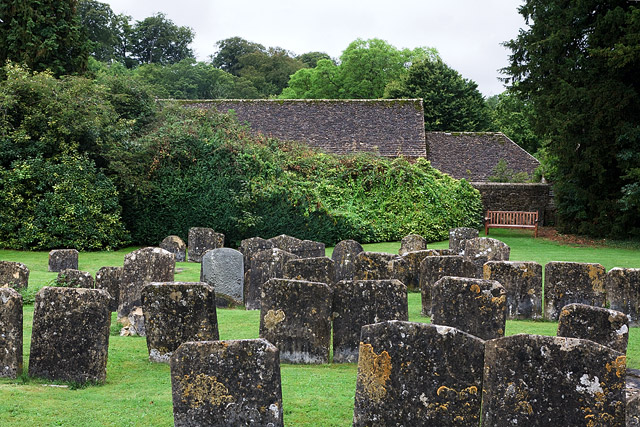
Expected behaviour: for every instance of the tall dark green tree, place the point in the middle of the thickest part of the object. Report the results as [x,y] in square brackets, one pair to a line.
[106,31]
[577,64]
[157,40]
[43,34]
[230,51]
[514,117]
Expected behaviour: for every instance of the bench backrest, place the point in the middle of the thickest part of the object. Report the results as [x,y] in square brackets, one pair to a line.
[512,217]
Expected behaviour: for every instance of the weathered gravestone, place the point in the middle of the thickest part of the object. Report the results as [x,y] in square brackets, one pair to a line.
[413,260]
[226,383]
[623,292]
[300,248]
[141,267]
[176,246]
[109,279]
[177,312]
[201,240]
[70,336]
[13,275]
[475,306]
[250,247]
[411,243]
[61,259]
[632,392]
[10,333]
[296,318]
[534,380]
[319,269]
[416,374]
[380,266]
[344,257]
[361,302]
[265,265]
[483,249]
[457,237]
[604,326]
[523,282]
[569,282]
[223,269]
[433,268]
[74,279]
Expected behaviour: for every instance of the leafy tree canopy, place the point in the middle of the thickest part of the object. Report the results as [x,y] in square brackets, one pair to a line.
[157,39]
[230,51]
[514,117]
[106,31]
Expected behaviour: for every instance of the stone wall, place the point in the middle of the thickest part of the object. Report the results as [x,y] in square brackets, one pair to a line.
[498,196]
[387,127]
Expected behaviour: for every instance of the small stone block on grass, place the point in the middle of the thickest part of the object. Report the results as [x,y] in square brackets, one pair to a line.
[13,275]
[223,268]
[344,256]
[226,383]
[417,374]
[176,246]
[523,282]
[61,259]
[623,292]
[202,239]
[572,282]
[10,333]
[601,325]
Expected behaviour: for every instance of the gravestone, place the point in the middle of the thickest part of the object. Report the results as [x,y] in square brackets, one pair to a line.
[296,317]
[413,260]
[250,247]
[457,238]
[109,279]
[177,312]
[632,392]
[601,325]
[74,279]
[176,246]
[623,292]
[484,249]
[140,268]
[10,333]
[362,302]
[569,282]
[523,282]
[13,275]
[535,380]
[201,240]
[226,383]
[70,336]
[475,306]
[417,374]
[265,265]
[300,248]
[319,269]
[344,256]
[433,268]
[380,266]
[223,269]
[61,259]
[412,243]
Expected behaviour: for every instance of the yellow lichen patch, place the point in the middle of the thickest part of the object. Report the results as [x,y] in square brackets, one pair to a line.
[203,388]
[175,295]
[475,288]
[273,317]
[458,419]
[596,276]
[499,300]
[620,365]
[373,371]
[526,271]
[524,407]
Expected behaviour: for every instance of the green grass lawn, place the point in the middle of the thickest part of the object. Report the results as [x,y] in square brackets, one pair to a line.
[138,392]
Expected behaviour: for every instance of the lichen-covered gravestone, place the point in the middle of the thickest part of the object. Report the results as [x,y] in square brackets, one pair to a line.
[250,247]
[482,249]
[201,240]
[300,248]
[70,337]
[74,279]
[380,266]
[296,318]
[176,246]
[534,380]
[569,282]
[265,265]
[361,302]
[623,292]
[61,259]
[417,374]
[457,237]
[604,326]
[411,243]
[10,333]
[177,312]
[344,257]
[523,282]
[223,269]
[109,279]
[319,269]
[632,392]
[226,383]
[433,268]
[13,274]
[476,306]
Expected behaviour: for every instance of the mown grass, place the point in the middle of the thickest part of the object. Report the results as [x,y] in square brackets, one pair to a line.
[138,393]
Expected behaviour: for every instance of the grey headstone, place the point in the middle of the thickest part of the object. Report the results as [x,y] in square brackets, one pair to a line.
[300,248]
[380,266]
[109,279]
[177,312]
[13,274]
[344,256]
[201,240]
[457,237]
[265,265]
[10,333]
[223,269]
[569,282]
[226,383]
[623,292]
[413,260]
[411,243]
[523,282]
[483,249]
[250,247]
[604,326]
[74,279]
[61,259]
[433,268]
[319,269]
[176,246]
[632,392]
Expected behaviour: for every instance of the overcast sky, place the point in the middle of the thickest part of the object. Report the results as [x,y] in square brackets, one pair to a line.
[467,33]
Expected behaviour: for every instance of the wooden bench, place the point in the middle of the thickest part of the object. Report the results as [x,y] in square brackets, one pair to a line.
[511,219]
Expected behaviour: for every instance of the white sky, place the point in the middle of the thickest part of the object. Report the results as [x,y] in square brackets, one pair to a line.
[467,33]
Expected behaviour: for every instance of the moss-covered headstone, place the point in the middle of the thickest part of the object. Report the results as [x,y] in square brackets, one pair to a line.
[604,326]
[10,333]
[13,275]
[572,282]
[265,265]
[318,269]
[523,282]
[344,257]
[433,268]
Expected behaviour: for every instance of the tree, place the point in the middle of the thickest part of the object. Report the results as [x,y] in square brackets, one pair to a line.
[157,39]
[230,51]
[43,35]
[577,64]
[268,71]
[514,117]
[106,31]
[310,59]
[321,82]
[451,102]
